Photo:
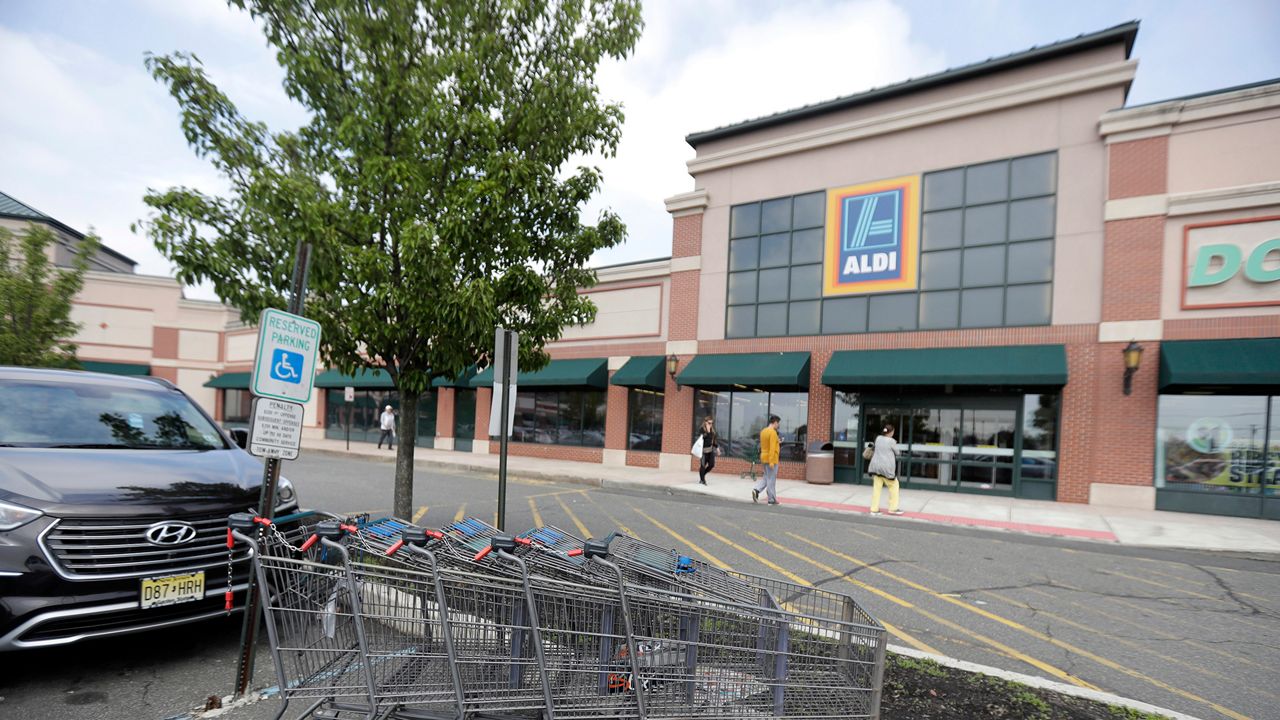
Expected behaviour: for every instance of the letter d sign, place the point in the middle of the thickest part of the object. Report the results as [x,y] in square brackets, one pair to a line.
[1203,274]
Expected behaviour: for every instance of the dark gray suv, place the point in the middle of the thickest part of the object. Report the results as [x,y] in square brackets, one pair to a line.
[114,496]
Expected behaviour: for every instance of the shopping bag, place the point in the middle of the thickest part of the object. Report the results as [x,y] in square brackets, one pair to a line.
[697,447]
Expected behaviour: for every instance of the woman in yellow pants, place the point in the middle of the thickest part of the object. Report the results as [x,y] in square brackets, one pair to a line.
[884,470]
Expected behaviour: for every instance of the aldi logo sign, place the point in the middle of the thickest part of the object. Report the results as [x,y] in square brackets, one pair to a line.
[872,237]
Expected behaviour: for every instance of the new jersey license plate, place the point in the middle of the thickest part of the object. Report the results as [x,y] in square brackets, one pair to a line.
[171,590]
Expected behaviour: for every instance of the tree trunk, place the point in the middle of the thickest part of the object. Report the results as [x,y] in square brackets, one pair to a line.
[402,506]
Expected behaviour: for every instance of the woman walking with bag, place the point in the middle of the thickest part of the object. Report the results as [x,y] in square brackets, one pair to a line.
[710,448]
[884,470]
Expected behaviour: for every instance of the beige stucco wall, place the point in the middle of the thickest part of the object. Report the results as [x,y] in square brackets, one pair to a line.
[1067,125]
[1225,152]
[632,306]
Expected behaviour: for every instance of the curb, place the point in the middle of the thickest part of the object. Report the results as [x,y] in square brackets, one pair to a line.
[1041,683]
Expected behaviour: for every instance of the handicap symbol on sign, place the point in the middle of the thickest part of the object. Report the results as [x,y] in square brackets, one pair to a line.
[286,366]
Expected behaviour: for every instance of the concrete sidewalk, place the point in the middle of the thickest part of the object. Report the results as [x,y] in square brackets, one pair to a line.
[1125,526]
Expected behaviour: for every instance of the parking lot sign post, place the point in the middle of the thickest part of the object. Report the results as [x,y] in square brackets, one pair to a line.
[284,369]
[506,353]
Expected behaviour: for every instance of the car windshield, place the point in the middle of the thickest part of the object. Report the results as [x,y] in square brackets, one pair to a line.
[84,415]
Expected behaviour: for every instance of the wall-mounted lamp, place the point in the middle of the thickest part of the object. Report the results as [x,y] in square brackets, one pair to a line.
[1132,361]
[673,364]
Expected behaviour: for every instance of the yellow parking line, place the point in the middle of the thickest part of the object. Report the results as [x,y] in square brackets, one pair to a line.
[462,512]
[418,515]
[990,642]
[686,542]
[1089,608]
[1182,580]
[581,528]
[537,516]
[865,534]
[908,639]
[1033,633]
[616,523]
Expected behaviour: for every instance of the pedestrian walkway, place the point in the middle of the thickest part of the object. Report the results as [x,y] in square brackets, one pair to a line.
[1119,525]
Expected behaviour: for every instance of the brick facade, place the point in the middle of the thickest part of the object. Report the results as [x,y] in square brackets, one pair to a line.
[1131,269]
[684,305]
[1138,167]
[444,412]
[640,458]
[551,452]
[616,418]
[686,236]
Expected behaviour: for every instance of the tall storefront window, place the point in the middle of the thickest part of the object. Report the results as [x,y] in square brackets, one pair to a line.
[236,407]
[741,415]
[560,417]
[644,423]
[362,416]
[1216,444]
[775,267]
[986,258]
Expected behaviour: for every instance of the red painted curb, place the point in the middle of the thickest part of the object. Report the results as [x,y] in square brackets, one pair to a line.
[972,522]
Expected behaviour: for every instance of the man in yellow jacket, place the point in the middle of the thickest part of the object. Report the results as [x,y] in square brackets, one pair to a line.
[769,452]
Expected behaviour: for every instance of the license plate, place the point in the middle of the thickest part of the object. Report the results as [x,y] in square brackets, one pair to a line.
[171,590]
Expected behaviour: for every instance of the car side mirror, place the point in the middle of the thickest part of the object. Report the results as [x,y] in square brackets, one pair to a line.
[241,437]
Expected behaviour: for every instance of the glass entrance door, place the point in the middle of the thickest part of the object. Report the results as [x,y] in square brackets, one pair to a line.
[953,448]
[927,442]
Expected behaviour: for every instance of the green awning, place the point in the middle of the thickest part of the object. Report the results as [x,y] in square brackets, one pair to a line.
[231,381]
[115,368]
[642,372]
[757,371]
[1010,366]
[589,372]
[1242,363]
[462,381]
[364,378]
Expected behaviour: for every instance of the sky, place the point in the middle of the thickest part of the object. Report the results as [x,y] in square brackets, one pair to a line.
[85,131]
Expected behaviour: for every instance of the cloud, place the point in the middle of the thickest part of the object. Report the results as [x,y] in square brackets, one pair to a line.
[705,65]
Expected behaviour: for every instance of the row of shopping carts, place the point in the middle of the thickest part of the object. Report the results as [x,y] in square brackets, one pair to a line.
[385,619]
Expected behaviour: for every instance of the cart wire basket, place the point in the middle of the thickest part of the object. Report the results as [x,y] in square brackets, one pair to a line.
[382,618]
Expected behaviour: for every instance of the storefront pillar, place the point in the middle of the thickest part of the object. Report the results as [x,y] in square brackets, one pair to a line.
[484,399]
[677,431]
[444,419]
[615,426]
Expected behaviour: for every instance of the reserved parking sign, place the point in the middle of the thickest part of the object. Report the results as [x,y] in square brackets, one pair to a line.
[285,365]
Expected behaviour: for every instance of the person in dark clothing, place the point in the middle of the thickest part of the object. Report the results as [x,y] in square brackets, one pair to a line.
[710,448]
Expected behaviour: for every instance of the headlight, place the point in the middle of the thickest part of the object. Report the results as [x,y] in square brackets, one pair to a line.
[13,516]
[284,492]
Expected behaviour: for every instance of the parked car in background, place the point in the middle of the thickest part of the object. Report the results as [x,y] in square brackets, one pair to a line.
[114,497]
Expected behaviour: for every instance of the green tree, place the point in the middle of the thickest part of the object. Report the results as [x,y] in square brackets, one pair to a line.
[36,329]
[438,178]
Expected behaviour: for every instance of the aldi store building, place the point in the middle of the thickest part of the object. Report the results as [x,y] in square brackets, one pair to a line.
[965,256]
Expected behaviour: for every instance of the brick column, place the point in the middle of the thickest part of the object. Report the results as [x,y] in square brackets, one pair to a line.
[484,399]
[615,425]
[444,418]
[677,424]
[821,398]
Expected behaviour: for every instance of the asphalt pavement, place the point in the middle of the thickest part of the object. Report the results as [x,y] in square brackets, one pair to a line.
[1197,632]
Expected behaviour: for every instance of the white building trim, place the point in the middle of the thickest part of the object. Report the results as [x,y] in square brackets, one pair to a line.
[1009,96]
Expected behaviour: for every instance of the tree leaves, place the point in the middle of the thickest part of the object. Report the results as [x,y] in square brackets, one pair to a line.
[36,329]
[434,177]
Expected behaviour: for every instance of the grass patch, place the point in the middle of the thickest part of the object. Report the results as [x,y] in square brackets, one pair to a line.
[917,689]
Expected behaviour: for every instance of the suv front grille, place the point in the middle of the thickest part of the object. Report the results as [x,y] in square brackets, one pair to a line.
[99,548]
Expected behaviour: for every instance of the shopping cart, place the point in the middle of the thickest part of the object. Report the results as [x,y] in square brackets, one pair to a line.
[386,619]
